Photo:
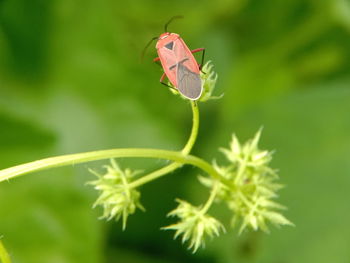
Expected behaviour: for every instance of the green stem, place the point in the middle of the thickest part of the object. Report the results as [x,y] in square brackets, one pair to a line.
[155,175]
[72,159]
[4,256]
[211,198]
[194,132]
[186,150]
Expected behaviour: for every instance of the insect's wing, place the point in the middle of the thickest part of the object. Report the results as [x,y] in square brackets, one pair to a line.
[188,83]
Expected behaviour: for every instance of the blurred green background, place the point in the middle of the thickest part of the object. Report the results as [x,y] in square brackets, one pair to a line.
[71,80]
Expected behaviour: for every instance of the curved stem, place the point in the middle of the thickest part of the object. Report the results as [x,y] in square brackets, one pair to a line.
[4,256]
[211,198]
[72,159]
[186,150]
[194,132]
[155,175]
[58,161]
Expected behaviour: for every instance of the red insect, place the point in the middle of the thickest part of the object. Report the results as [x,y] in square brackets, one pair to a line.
[180,66]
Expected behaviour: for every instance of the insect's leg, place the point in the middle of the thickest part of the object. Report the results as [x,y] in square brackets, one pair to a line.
[199,50]
[161,80]
[157,61]
[200,68]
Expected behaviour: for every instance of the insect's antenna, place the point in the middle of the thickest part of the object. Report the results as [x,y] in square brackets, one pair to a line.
[146,47]
[171,20]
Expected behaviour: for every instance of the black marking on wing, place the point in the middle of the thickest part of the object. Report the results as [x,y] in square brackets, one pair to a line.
[175,65]
[170,45]
[188,82]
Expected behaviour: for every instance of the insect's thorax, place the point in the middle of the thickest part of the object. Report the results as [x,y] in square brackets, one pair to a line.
[166,38]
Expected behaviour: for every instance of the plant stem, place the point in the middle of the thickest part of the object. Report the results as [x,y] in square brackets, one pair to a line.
[186,150]
[72,159]
[211,198]
[155,175]
[194,132]
[4,256]
[179,158]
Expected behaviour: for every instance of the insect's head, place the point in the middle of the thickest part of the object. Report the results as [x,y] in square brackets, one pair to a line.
[164,35]
[166,39]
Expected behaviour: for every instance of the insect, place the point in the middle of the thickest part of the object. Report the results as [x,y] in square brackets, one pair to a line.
[179,64]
